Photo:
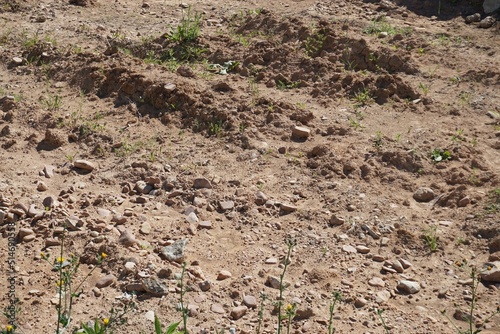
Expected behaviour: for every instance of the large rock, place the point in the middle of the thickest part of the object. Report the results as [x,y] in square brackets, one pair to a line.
[491,5]
[424,195]
[175,252]
[491,271]
[409,287]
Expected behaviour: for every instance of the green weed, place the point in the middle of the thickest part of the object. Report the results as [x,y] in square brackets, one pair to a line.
[438,155]
[431,238]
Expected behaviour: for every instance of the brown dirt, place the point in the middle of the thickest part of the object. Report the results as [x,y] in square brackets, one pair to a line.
[91,86]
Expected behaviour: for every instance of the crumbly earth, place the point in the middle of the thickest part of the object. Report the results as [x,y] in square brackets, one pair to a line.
[327,129]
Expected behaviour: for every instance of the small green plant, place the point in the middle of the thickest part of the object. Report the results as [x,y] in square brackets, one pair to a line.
[362,98]
[431,238]
[398,137]
[379,313]
[290,243]
[465,98]
[188,29]
[493,205]
[469,316]
[314,43]
[282,85]
[438,155]
[215,128]
[379,139]
[336,297]
[458,136]
[424,88]
[171,329]
[381,25]
[263,298]
[53,102]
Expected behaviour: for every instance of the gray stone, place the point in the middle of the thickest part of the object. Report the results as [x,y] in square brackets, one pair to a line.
[145,228]
[397,266]
[336,221]
[491,5]
[363,249]
[223,274]
[349,249]
[84,164]
[487,22]
[205,285]
[260,198]
[127,238]
[382,297]
[287,208]
[41,186]
[238,311]
[105,281]
[376,281]
[17,61]
[205,224]
[409,287]
[250,301]
[217,308]
[273,282]
[424,194]
[360,302]
[473,18]
[226,205]
[154,286]
[175,252]
[304,313]
[23,231]
[490,271]
[48,171]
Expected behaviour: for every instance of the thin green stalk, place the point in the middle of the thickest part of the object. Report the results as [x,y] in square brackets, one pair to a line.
[263,298]
[60,284]
[337,296]
[184,309]
[379,312]
[290,243]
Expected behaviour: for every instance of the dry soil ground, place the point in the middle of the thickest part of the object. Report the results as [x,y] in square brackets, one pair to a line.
[328,128]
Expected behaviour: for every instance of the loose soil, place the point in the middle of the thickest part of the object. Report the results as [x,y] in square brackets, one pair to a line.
[323,130]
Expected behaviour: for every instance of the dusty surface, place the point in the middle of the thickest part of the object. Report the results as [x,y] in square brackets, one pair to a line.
[97,81]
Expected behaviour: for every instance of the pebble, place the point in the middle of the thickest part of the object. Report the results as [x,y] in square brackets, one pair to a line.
[250,301]
[376,281]
[205,224]
[145,228]
[17,61]
[362,249]
[360,302]
[487,22]
[217,308]
[226,205]
[41,186]
[49,242]
[397,266]
[336,221]
[202,182]
[205,285]
[105,281]
[473,18]
[287,208]
[260,198]
[271,260]
[424,194]
[48,171]
[409,287]
[273,282]
[490,271]
[223,274]
[84,164]
[175,252]
[154,286]
[127,238]
[29,238]
[238,312]
[150,315]
[23,232]
[301,132]
[382,296]
[349,249]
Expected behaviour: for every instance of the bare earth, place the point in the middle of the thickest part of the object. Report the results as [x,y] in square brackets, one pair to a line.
[323,130]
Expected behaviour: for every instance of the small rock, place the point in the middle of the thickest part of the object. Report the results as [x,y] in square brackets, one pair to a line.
[205,285]
[273,282]
[397,266]
[383,34]
[302,314]
[41,186]
[202,182]
[84,164]
[463,202]
[250,301]
[349,249]
[238,312]
[382,297]
[226,205]
[424,194]
[185,71]
[490,271]
[300,132]
[175,252]
[23,231]
[223,274]
[129,267]
[48,171]
[376,281]
[362,249]
[17,61]
[105,281]
[336,221]
[127,238]
[145,228]
[260,198]
[287,208]
[217,308]
[360,302]
[409,287]
[205,224]
[271,260]
[473,18]
[150,315]
[154,286]
[487,22]
[49,242]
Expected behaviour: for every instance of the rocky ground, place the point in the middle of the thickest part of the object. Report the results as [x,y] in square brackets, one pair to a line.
[366,131]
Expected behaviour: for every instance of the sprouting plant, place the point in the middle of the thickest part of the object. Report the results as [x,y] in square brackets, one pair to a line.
[70,157]
[188,29]
[363,98]
[336,297]
[431,238]
[183,307]
[282,85]
[458,135]
[290,244]
[438,155]
[424,88]
[378,141]
[455,80]
[354,123]
[493,204]
[263,298]
[475,276]
[53,102]
[215,128]
[398,137]
[314,43]
[67,270]
[465,98]
[379,313]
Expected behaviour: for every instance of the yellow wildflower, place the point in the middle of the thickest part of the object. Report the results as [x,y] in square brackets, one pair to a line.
[9,328]
[59,283]
[105,321]
[103,255]
[60,259]
[489,268]
[289,307]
